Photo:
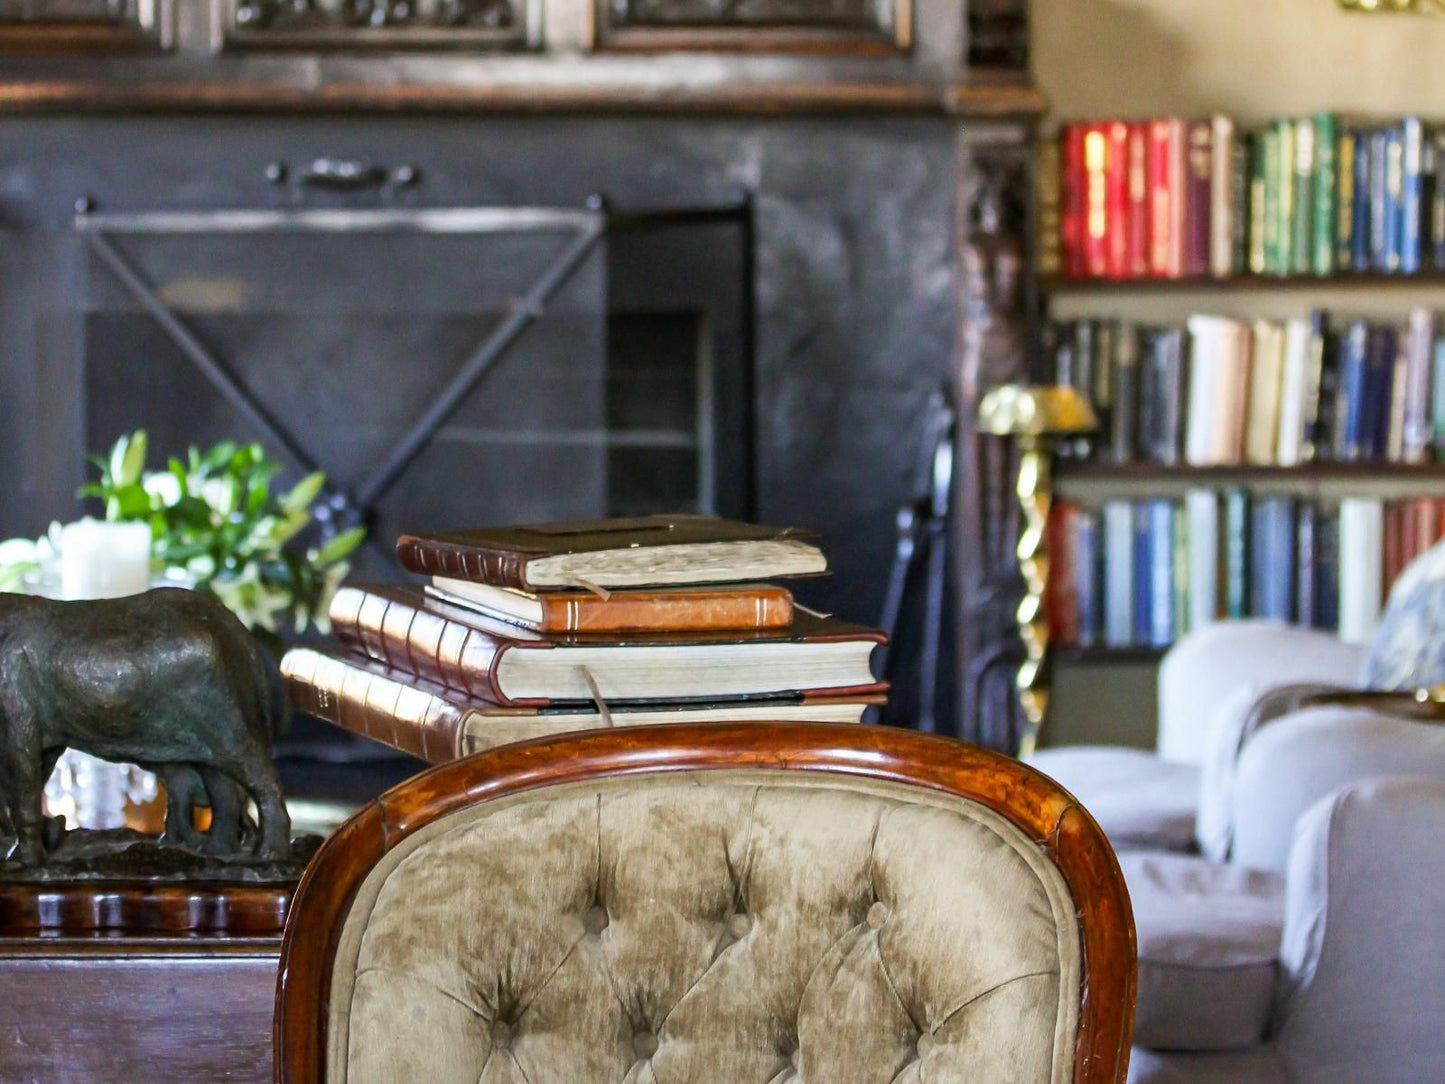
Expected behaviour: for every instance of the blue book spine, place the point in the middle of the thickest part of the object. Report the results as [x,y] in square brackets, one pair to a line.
[1327,569]
[1360,249]
[1281,556]
[1143,575]
[1377,186]
[1412,138]
[1394,198]
[1352,384]
[1161,573]
[1088,578]
[1237,553]
[1259,559]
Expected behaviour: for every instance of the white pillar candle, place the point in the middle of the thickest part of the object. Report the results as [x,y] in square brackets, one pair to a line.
[104,560]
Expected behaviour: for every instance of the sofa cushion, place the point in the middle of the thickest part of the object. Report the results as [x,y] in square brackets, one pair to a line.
[1138,799]
[1209,938]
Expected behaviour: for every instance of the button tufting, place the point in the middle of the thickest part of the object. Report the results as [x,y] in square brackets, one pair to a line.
[877,915]
[501,1033]
[740,925]
[644,1044]
[595,920]
[925,1045]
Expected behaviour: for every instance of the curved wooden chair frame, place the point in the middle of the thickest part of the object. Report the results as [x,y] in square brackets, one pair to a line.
[1033,802]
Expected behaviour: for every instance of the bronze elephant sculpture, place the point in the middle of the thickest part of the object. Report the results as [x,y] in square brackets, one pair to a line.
[169,680]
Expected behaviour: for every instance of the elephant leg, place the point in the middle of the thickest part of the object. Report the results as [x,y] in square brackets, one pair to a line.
[248,762]
[184,792]
[27,818]
[227,800]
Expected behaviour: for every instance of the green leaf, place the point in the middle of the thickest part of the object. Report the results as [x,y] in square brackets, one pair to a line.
[339,547]
[303,493]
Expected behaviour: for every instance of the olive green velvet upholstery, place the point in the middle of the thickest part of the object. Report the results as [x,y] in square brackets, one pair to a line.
[743,927]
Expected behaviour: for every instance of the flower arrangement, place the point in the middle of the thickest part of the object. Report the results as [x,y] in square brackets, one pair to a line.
[218,526]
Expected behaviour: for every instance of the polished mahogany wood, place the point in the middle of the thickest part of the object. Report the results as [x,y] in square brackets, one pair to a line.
[1036,804]
[143,909]
[105,1010]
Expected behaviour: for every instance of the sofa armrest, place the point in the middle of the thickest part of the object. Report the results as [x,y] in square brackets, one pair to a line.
[1361,975]
[1221,658]
[1291,764]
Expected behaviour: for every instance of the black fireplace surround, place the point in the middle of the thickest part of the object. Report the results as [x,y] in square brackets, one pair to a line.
[806,264]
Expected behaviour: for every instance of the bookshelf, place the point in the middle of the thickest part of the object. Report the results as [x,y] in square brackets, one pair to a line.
[1193,284]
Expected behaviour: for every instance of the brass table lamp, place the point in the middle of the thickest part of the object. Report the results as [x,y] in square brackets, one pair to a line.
[1037,418]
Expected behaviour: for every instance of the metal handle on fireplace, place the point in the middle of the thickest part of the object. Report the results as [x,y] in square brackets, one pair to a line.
[347,175]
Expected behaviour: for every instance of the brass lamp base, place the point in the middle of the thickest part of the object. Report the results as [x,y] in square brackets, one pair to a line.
[1036,417]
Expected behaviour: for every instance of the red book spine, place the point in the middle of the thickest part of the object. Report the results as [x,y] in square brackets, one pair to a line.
[1062,597]
[1116,199]
[1096,201]
[1409,533]
[1166,198]
[1072,199]
[1394,546]
[1198,197]
[1427,524]
[1136,215]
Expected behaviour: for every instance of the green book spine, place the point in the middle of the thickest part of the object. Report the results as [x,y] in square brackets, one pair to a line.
[1254,247]
[1326,166]
[1268,213]
[1181,572]
[1302,215]
[1437,399]
[1284,229]
[1236,554]
[1345,199]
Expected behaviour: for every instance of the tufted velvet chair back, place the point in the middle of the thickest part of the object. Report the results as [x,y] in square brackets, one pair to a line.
[749,904]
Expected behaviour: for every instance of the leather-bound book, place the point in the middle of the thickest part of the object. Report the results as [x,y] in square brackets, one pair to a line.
[1223,186]
[408,630]
[1073,198]
[1166,197]
[642,551]
[1136,218]
[437,724]
[1116,198]
[1326,191]
[1048,176]
[1096,201]
[744,606]
[1198,197]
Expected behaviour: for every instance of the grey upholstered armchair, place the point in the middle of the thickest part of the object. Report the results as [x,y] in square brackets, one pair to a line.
[734,904]
[1311,956]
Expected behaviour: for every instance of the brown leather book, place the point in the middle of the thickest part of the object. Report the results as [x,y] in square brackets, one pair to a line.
[643,551]
[437,724]
[746,606]
[406,629]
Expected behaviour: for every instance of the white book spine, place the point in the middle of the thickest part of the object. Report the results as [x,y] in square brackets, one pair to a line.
[1362,530]
[1294,393]
[1418,349]
[1221,209]
[1201,420]
[1118,573]
[1202,509]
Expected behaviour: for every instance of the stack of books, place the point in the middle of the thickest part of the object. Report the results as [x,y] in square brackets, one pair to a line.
[1174,197]
[1142,573]
[1227,392]
[529,631]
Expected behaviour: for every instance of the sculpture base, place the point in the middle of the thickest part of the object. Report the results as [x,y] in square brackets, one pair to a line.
[122,855]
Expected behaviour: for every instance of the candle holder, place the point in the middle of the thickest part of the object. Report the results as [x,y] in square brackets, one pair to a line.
[1036,418]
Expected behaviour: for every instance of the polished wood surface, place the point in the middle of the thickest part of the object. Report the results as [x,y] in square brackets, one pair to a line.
[1064,830]
[143,909]
[153,1010]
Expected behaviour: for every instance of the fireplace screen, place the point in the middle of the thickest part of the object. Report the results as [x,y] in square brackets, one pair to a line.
[444,367]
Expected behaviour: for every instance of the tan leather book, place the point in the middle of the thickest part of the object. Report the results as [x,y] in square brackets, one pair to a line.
[405,629]
[436,724]
[746,606]
[642,551]
[1261,437]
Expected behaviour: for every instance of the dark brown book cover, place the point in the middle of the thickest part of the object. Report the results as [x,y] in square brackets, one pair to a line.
[749,606]
[436,724]
[1198,197]
[405,629]
[499,556]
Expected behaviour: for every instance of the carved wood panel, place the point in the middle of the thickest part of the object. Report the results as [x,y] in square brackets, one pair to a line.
[376,24]
[44,25]
[756,25]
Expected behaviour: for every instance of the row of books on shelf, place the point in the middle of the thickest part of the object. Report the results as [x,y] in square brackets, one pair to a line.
[1142,573]
[1225,392]
[1175,197]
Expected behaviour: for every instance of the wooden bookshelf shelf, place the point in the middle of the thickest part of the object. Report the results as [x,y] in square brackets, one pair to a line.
[1087,470]
[1368,280]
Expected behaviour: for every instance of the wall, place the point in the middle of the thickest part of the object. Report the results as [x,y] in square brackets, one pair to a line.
[1251,59]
